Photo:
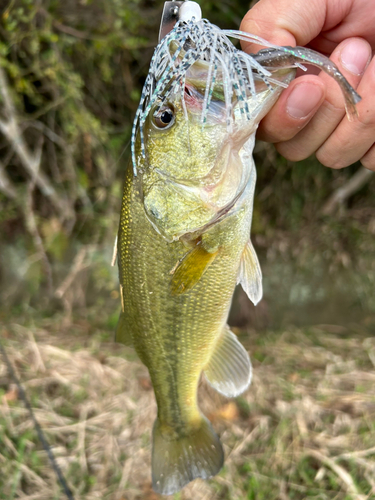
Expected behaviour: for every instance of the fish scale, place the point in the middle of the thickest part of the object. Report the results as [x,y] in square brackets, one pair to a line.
[185,325]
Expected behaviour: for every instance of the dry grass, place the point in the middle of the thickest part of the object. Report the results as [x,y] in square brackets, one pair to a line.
[305,429]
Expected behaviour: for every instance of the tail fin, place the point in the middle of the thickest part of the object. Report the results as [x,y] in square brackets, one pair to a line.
[176,462]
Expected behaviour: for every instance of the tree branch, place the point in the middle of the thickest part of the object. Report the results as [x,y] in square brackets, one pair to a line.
[30,160]
[32,227]
[354,184]
[6,185]
[77,267]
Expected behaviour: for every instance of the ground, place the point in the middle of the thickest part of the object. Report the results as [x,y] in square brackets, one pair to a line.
[304,429]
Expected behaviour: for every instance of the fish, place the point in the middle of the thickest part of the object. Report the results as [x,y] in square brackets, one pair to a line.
[184,234]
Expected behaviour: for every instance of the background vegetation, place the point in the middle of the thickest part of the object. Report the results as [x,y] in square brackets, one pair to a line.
[71,75]
[70,79]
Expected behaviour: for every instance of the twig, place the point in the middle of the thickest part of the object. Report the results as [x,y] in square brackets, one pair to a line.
[83,35]
[34,346]
[52,136]
[371,480]
[114,255]
[81,439]
[337,469]
[30,161]
[33,230]
[75,189]
[354,184]
[248,439]
[283,495]
[37,480]
[126,473]
[6,186]
[4,408]
[360,453]
[75,269]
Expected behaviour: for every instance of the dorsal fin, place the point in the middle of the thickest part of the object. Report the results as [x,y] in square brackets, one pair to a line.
[250,274]
[191,268]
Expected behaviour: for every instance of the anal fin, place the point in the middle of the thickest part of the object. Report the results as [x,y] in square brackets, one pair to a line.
[229,370]
[250,274]
[191,268]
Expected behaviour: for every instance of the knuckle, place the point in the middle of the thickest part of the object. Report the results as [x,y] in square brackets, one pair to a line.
[368,161]
[330,161]
[272,131]
[366,118]
[333,105]
[291,153]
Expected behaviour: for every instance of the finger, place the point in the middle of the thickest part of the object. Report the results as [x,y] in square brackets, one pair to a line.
[351,57]
[293,22]
[352,140]
[293,110]
[368,161]
[321,23]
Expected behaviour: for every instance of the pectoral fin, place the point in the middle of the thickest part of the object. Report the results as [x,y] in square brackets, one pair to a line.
[229,369]
[250,274]
[191,268]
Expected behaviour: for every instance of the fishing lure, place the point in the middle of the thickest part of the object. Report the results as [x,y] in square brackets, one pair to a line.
[205,41]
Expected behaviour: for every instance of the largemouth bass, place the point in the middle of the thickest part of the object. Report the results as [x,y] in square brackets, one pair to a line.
[184,235]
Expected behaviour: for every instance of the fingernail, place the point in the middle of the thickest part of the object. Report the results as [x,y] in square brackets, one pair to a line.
[355,55]
[303,100]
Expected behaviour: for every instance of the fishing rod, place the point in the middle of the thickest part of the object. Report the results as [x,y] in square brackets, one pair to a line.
[39,431]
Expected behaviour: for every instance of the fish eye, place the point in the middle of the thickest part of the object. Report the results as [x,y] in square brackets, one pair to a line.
[164,118]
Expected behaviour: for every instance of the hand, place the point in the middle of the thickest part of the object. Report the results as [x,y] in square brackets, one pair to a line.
[309,117]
